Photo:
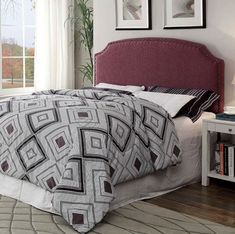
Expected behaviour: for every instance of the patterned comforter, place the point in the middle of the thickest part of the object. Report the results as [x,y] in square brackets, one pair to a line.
[79,144]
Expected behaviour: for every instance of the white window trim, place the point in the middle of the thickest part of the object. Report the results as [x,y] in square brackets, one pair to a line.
[14,92]
[4,93]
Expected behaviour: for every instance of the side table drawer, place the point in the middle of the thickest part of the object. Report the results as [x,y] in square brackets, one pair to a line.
[211,127]
[225,128]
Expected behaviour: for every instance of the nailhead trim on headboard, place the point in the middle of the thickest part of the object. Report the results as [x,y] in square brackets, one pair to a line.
[181,54]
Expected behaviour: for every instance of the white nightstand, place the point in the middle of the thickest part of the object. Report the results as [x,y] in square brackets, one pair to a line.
[209,126]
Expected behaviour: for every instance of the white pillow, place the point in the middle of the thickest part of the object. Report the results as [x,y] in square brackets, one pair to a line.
[129,88]
[172,103]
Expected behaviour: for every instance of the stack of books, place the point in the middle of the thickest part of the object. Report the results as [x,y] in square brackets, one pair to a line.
[225,159]
[225,116]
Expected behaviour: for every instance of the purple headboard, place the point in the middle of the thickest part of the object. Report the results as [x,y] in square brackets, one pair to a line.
[161,61]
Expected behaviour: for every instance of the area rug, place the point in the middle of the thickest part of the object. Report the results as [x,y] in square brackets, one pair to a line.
[136,218]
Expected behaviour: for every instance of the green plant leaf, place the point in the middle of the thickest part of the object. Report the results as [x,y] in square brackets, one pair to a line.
[83,21]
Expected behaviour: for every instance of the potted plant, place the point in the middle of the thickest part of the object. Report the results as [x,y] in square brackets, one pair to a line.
[83,21]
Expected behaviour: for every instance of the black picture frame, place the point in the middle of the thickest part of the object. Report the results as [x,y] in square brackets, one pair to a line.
[148,19]
[201,24]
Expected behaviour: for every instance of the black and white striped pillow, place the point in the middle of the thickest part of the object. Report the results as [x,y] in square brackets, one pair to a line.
[193,109]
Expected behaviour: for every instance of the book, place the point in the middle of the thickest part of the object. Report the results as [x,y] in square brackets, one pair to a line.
[225,160]
[231,161]
[217,158]
[221,152]
[226,117]
[229,110]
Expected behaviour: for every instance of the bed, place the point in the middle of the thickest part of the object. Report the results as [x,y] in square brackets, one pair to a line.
[169,63]
[181,64]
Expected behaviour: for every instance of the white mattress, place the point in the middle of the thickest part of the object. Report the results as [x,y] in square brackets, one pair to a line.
[187,172]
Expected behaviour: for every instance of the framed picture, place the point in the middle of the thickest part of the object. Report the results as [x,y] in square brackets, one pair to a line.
[133,14]
[185,14]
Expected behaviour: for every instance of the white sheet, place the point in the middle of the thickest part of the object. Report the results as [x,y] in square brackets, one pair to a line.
[171,102]
[187,172]
[187,129]
[129,88]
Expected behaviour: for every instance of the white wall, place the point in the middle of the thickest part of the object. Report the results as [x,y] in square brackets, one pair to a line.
[219,36]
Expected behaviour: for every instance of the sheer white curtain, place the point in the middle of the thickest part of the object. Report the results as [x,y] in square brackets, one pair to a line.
[54,46]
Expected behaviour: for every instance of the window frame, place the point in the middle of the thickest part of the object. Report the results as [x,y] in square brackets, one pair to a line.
[24,89]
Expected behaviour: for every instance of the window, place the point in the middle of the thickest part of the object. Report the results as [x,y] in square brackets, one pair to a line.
[17,43]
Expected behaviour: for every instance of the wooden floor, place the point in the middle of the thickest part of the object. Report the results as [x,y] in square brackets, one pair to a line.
[215,203]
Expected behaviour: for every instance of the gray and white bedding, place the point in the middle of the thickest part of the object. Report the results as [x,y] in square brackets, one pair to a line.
[163,181]
[78,144]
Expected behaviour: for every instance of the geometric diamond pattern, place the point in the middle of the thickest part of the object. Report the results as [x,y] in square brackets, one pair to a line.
[137,164]
[153,157]
[47,175]
[78,144]
[107,187]
[155,121]
[41,119]
[119,131]
[103,186]
[31,105]
[94,142]
[59,141]
[7,165]
[70,102]
[82,116]
[73,177]
[4,108]
[11,129]
[51,182]
[78,218]
[31,154]
[176,151]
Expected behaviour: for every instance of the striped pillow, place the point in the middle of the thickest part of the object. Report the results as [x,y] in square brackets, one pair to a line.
[193,109]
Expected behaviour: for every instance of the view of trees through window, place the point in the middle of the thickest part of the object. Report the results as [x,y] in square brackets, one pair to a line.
[17,43]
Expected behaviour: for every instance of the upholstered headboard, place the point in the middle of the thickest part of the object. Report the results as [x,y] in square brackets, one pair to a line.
[161,61]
